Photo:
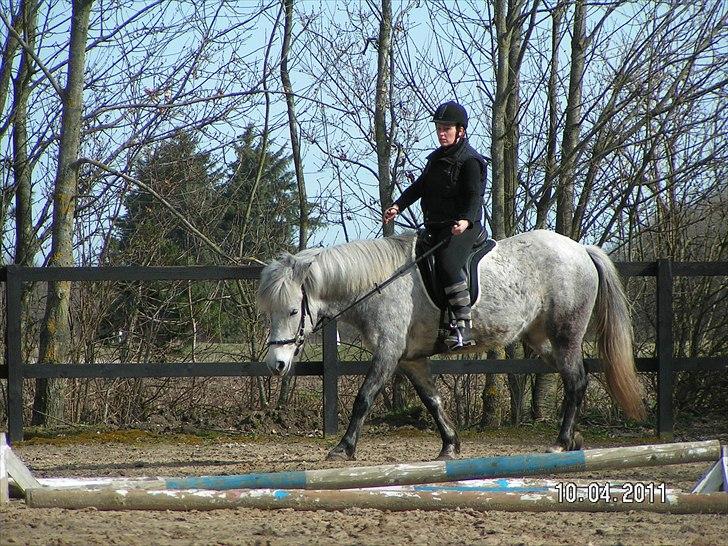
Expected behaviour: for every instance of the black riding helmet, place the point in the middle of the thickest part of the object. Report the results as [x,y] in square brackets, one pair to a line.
[451,112]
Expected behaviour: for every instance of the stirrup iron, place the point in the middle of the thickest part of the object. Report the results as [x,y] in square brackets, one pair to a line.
[459,337]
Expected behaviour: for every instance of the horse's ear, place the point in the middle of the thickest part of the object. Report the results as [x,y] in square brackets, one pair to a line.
[287,259]
[299,267]
[300,270]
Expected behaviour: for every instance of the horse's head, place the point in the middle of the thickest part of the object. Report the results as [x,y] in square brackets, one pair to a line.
[282,296]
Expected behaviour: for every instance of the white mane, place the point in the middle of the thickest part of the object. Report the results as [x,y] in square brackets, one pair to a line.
[341,270]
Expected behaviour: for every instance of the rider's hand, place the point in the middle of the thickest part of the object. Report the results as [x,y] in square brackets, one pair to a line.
[460,227]
[391,213]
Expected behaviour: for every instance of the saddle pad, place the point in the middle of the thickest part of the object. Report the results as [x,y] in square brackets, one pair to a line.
[434,287]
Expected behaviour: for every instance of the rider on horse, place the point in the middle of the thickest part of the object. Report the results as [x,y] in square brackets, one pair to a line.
[451,189]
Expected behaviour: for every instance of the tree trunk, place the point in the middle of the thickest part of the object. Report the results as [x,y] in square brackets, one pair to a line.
[10,48]
[382,138]
[516,382]
[497,146]
[516,385]
[544,204]
[565,194]
[381,104]
[498,155]
[491,417]
[24,237]
[511,128]
[288,382]
[543,385]
[293,127]
[48,406]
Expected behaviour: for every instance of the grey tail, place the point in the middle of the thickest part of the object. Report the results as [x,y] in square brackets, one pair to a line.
[615,337]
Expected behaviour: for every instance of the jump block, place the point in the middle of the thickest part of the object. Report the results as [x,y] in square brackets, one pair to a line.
[716,479]
[12,467]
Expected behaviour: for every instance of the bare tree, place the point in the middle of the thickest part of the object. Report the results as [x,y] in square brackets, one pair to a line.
[363,126]
[543,204]
[565,189]
[48,407]
[497,149]
[381,107]
[293,128]
[131,99]
[22,169]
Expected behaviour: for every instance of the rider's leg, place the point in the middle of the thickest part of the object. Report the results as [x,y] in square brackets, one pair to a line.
[458,297]
[450,262]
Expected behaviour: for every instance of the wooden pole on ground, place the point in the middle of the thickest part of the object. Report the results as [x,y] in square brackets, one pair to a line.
[142,499]
[536,464]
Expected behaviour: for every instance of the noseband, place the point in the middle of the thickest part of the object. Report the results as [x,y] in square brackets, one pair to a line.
[300,334]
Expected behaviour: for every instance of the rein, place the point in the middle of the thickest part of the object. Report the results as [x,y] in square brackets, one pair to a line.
[299,338]
[378,287]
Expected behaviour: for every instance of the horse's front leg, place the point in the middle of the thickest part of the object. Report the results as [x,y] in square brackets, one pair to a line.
[419,374]
[382,369]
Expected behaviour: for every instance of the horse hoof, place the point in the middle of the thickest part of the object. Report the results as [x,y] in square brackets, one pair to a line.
[447,454]
[575,444]
[339,455]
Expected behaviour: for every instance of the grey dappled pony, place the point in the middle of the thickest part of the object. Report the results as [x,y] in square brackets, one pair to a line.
[540,287]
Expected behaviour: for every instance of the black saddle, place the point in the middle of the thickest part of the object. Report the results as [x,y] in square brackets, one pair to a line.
[434,287]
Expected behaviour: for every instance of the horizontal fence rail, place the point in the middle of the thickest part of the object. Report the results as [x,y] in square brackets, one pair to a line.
[15,371]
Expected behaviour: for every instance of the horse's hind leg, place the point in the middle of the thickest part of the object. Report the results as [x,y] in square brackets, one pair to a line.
[418,372]
[569,361]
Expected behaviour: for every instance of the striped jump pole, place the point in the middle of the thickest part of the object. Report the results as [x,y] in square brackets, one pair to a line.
[537,464]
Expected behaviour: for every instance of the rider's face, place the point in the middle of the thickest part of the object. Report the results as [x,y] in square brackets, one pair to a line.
[447,134]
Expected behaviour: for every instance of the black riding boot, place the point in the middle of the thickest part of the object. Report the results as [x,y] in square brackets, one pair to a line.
[460,335]
[459,299]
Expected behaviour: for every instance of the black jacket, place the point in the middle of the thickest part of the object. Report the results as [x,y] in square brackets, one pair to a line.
[451,186]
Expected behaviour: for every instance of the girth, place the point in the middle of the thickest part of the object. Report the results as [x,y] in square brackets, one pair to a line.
[434,287]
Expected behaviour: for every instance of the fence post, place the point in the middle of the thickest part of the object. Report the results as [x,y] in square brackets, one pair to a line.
[665,350]
[13,352]
[331,379]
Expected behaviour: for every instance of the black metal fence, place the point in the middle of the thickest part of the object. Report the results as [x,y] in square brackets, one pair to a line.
[15,371]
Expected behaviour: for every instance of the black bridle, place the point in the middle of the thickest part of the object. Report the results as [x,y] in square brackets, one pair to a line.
[299,338]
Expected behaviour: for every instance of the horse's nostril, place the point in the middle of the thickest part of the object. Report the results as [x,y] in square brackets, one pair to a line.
[280,365]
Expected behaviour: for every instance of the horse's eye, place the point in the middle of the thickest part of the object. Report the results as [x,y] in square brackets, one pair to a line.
[293,312]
